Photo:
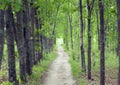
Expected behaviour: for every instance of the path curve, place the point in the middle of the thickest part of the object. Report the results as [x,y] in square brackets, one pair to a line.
[59,72]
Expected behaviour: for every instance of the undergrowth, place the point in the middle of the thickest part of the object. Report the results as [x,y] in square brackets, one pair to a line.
[111,68]
[76,72]
[38,71]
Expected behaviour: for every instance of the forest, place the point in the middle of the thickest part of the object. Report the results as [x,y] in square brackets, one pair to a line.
[59,42]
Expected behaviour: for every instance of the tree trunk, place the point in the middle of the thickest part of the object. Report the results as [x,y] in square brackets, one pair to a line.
[71,32]
[89,40]
[32,17]
[81,39]
[118,10]
[21,45]
[27,37]
[102,59]
[90,8]
[10,44]
[1,35]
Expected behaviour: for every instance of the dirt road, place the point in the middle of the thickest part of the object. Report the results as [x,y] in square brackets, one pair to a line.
[59,72]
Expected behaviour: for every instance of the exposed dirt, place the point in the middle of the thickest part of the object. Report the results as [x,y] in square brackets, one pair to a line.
[59,72]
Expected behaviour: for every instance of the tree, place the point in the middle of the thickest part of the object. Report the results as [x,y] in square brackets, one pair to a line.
[1,35]
[70,19]
[10,44]
[102,48]
[32,19]
[89,8]
[21,45]
[27,37]
[81,39]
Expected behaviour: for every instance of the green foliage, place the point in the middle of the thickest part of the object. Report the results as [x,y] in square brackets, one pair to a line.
[75,67]
[37,46]
[17,5]
[6,83]
[3,4]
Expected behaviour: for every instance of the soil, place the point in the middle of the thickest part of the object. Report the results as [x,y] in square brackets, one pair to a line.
[59,72]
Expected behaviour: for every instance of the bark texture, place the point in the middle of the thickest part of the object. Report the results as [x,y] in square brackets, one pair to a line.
[1,35]
[102,48]
[21,45]
[10,44]
[81,39]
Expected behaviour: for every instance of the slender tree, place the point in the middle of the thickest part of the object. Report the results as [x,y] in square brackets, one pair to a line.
[81,39]
[71,29]
[89,8]
[102,56]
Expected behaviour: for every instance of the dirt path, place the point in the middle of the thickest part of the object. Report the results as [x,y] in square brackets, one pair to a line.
[59,72]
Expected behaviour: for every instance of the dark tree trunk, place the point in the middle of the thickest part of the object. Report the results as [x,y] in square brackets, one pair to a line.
[81,39]
[27,34]
[89,8]
[36,38]
[1,35]
[32,17]
[89,49]
[102,59]
[21,46]
[89,40]
[10,44]
[118,10]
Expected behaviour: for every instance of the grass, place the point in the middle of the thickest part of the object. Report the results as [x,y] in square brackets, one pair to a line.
[76,72]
